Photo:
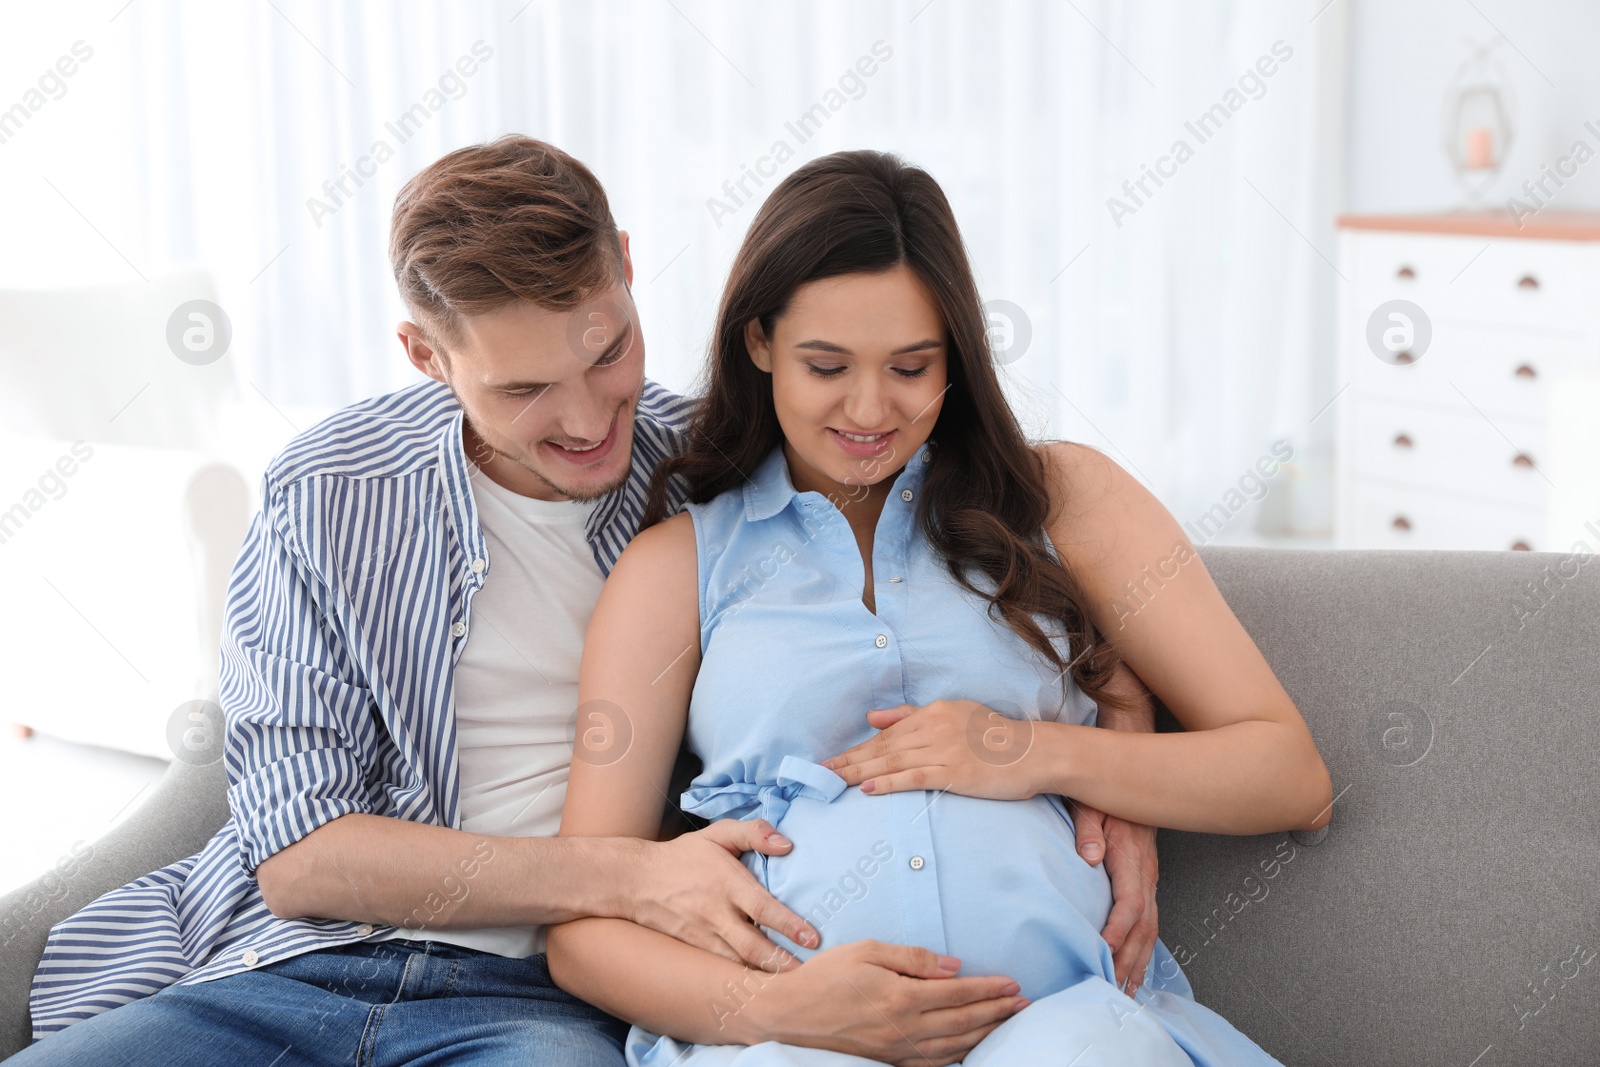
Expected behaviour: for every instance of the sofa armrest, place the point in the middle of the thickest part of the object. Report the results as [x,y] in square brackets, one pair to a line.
[189,805]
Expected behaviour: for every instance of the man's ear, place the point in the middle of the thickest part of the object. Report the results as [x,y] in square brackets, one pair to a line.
[627,258]
[420,352]
[756,343]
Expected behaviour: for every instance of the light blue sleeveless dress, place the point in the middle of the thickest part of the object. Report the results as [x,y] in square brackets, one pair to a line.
[792,661]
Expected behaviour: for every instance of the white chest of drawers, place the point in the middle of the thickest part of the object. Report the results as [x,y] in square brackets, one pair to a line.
[1450,449]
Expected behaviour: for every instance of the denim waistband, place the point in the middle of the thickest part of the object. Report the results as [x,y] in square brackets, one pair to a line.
[399,948]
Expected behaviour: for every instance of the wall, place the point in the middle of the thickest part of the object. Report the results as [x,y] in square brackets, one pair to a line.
[1403,58]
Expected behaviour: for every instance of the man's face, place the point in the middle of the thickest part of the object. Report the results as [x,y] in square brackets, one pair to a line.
[549,395]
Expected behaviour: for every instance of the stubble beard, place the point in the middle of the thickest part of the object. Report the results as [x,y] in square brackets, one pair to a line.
[482,451]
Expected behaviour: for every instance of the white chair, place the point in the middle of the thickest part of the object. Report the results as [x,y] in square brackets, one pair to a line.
[120,512]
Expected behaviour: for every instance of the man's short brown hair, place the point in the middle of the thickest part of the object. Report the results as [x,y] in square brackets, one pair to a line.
[514,219]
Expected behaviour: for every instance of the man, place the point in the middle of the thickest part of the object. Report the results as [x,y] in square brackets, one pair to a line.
[400,661]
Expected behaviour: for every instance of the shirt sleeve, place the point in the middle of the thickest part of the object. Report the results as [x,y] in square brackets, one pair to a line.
[299,729]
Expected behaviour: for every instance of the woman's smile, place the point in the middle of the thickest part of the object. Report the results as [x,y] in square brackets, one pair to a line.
[862,445]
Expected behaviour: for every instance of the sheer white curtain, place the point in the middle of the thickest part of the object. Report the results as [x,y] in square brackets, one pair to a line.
[1184,340]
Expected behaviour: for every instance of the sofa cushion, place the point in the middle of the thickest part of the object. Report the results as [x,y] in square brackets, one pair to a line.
[1449,914]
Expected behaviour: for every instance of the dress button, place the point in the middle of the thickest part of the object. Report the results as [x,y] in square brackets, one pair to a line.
[458,629]
[906,494]
[364,929]
[916,863]
[881,641]
[478,565]
[250,957]
[927,456]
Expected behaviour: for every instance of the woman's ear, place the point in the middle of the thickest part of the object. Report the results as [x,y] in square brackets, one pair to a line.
[756,343]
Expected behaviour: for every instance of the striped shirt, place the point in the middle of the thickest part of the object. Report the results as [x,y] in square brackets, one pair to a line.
[346,612]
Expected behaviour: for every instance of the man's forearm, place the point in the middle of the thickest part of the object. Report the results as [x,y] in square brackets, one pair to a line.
[1139,720]
[1139,714]
[383,870]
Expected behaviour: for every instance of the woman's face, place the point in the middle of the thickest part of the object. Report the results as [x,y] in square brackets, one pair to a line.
[859,370]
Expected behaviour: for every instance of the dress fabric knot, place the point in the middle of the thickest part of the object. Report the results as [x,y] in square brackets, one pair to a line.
[765,800]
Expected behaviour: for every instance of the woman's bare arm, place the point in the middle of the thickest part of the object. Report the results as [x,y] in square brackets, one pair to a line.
[641,654]
[888,1002]
[1245,763]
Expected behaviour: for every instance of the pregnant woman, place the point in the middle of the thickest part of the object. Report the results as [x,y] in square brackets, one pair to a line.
[885,623]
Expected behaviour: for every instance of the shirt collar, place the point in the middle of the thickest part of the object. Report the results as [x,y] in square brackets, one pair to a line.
[770,489]
[457,474]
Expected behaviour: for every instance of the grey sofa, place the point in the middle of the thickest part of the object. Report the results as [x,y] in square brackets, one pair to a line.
[1449,914]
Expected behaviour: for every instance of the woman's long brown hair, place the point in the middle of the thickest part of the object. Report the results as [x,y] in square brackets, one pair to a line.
[986,498]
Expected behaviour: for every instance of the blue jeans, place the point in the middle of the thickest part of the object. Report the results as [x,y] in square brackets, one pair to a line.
[366,1004]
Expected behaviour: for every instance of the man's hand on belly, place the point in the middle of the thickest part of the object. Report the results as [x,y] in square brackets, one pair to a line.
[1129,848]
[1131,862]
[695,889]
[891,1003]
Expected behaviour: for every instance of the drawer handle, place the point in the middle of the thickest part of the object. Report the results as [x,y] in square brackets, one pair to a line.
[1401,523]
[1525,370]
[1405,272]
[1527,281]
[1402,440]
[1521,546]
[1522,459]
[1402,358]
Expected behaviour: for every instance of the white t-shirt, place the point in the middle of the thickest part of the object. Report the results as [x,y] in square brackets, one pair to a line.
[516,682]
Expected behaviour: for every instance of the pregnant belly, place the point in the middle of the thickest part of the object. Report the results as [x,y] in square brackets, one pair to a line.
[998,884]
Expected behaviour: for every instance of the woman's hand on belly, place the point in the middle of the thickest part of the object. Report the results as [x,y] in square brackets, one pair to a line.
[892,1003]
[957,746]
